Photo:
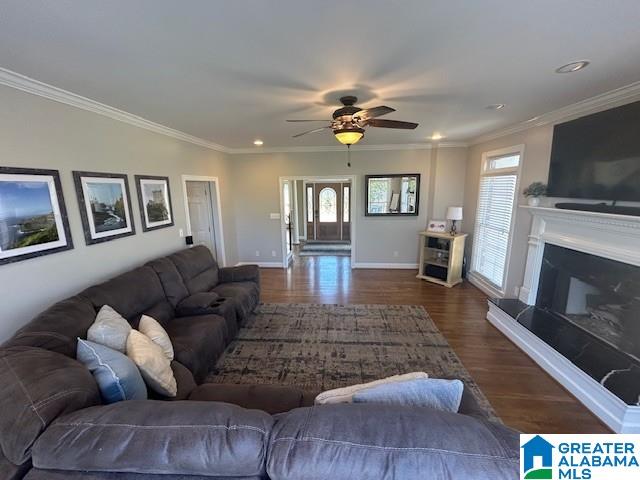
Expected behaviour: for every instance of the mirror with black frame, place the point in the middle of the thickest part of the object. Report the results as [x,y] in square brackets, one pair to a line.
[392,195]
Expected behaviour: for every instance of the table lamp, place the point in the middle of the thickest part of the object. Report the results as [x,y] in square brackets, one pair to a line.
[454,214]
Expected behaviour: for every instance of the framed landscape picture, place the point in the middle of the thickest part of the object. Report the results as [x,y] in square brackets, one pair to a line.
[105,206]
[154,197]
[33,217]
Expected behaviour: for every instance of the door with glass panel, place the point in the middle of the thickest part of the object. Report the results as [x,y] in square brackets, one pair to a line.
[328,211]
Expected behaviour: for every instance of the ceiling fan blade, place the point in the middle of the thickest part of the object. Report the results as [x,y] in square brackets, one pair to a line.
[376,122]
[308,120]
[312,131]
[368,113]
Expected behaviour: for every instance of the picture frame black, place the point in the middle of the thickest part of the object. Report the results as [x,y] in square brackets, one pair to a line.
[416,210]
[93,225]
[143,181]
[12,228]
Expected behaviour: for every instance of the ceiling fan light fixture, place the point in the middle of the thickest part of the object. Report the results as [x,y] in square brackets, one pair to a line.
[349,136]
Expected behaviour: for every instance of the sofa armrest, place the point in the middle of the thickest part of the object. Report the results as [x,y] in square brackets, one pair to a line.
[241,273]
[156,437]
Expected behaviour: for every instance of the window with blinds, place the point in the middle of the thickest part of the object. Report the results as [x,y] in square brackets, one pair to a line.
[492,233]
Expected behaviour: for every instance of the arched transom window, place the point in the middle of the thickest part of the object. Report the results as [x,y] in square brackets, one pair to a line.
[328,203]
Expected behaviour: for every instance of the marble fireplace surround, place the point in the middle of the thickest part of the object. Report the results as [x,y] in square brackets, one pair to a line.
[616,237]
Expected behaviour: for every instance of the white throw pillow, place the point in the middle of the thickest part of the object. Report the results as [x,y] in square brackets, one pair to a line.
[345,395]
[154,366]
[158,335]
[109,329]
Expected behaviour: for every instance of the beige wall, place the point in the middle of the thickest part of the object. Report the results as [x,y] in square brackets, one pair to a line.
[39,133]
[256,185]
[535,166]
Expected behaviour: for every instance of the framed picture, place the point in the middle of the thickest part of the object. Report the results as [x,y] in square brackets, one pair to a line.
[105,207]
[33,217]
[392,195]
[154,197]
[437,226]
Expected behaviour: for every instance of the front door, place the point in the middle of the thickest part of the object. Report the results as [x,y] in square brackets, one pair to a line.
[201,214]
[328,212]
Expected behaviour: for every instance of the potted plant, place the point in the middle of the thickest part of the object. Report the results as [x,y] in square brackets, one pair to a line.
[533,193]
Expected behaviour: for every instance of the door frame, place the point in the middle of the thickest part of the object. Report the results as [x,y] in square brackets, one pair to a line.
[353,207]
[217,211]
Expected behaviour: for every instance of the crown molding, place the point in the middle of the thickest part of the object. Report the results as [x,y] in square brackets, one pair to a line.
[612,98]
[35,87]
[341,148]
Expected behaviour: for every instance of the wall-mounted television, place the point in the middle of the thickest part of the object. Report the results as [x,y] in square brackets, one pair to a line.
[598,156]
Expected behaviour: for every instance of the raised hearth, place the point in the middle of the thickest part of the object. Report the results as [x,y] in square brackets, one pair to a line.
[578,315]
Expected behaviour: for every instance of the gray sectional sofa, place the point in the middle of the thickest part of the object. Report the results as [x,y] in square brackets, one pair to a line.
[53,424]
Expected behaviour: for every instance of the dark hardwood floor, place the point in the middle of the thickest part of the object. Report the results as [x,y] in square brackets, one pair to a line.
[523,395]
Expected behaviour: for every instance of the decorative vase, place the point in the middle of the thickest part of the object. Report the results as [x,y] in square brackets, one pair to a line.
[533,201]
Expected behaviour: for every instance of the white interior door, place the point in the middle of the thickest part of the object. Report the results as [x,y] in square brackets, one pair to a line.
[200,198]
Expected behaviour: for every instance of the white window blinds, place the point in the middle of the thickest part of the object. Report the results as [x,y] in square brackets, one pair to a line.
[493,227]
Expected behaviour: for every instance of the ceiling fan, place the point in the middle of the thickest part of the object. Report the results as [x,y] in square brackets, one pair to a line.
[349,121]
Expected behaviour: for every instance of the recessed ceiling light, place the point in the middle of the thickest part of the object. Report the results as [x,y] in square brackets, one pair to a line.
[572,67]
[258,142]
[495,106]
[437,136]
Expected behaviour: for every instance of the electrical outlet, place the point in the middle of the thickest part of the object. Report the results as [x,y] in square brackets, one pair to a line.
[395,253]
[257,253]
[273,253]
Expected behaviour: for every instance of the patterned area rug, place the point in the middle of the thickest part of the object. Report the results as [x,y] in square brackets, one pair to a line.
[320,347]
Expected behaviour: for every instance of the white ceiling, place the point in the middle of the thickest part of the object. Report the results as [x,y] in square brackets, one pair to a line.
[233,71]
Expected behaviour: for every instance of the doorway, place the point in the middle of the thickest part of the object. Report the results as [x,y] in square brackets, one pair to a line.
[203,214]
[317,217]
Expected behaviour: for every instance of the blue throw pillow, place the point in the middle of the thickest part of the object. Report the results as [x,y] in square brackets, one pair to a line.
[117,376]
[423,392]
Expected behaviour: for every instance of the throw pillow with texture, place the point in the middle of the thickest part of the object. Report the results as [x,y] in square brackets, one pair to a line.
[425,392]
[109,329]
[117,376]
[345,395]
[158,335]
[154,366]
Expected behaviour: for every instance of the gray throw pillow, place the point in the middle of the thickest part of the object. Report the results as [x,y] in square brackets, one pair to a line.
[110,329]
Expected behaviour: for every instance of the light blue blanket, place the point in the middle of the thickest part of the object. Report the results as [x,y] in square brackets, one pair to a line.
[424,392]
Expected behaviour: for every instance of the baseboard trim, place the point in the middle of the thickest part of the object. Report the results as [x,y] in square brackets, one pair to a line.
[619,416]
[262,264]
[398,266]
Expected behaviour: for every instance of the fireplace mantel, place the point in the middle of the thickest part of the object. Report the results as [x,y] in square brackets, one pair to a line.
[616,237]
[607,235]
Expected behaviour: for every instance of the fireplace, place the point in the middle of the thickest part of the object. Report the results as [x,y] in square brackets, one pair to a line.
[578,311]
[598,295]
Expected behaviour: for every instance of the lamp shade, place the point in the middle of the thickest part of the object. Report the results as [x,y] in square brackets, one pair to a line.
[349,136]
[454,213]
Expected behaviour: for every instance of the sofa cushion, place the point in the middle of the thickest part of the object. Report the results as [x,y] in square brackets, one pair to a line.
[117,376]
[345,441]
[58,327]
[133,294]
[241,273]
[198,342]
[174,288]
[11,471]
[197,267]
[190,438]
[270,398]
[109,329]
[37,387]
[245,297]
[154,366]
[158,335]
